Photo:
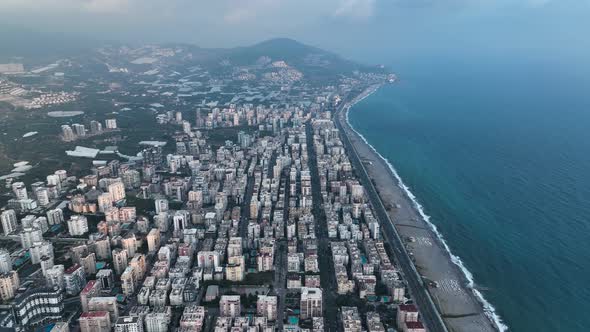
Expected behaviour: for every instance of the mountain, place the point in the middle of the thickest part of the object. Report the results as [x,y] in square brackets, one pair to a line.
[283,48]
[33,46]
[293,53]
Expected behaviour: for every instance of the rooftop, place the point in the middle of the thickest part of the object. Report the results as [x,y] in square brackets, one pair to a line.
[94,314]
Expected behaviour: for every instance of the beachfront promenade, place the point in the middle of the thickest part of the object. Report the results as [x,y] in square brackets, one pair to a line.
[429,313]
[441,310]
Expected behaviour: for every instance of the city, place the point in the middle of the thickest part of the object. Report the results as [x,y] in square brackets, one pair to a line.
[238,207]
[294,165]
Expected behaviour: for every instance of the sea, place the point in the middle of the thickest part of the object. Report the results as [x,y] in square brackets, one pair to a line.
[496,150]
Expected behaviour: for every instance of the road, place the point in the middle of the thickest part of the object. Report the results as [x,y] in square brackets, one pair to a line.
[327,275]
[245,207]
[280,281]
[428,310]
[16,238]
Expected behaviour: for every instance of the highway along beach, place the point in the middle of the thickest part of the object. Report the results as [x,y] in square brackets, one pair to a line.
[440,285]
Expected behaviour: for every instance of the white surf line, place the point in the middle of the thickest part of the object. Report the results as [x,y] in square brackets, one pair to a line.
[488,308]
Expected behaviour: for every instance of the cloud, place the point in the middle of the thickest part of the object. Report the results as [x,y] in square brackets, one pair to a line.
[538,3]
[230,22]
[106,6]
[81,6]
[251,10]
[228,11]
[238,15]
[356,9]
[241,11]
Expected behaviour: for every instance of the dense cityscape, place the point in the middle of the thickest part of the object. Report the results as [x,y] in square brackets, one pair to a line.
[245,214]
[294,165]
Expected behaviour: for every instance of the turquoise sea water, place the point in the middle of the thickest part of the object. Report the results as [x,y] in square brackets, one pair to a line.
[498,153]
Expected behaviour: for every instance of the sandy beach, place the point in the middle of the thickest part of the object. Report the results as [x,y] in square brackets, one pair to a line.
[448,286]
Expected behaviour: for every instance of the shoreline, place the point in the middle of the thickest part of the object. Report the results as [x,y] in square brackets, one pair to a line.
[486,309]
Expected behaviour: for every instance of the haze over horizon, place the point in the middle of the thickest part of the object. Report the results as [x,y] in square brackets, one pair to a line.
[375,30]
[327,165]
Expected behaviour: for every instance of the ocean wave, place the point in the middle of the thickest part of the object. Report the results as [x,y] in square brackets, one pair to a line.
[488,308]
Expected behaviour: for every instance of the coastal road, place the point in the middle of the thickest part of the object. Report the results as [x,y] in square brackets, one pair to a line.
[428,310]
[454,299]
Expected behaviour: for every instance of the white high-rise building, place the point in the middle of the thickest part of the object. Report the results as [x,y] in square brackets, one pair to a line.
[266,306]
[74,279]
[79,129]
[9,221]
[5,261]
[55,276]
[162,221]
[62,174]
[120,260]
[42,195]
[77,225]
[95,127]
[161,205]
[186,127]
[54,180]
[117,191]
[55,216]
[131,179]
[105,303]
[310,303]
[193,318]
[9,283]
[234,247]
[129,243]
[95,321]
[27,221]
[129,324]
[105,202]
[158,320]
[208,259]
[40,249]
[230,306]
[47,263]
[153,240]
[30,235]
[67,133]
[19,190]
[110,123]
[180,220]
[128,281]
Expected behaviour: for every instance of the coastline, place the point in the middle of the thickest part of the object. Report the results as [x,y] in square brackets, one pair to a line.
[473,311]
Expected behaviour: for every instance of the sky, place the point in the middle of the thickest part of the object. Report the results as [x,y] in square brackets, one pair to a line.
[358,29]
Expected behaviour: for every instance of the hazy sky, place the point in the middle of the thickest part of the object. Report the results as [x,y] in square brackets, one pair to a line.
[370,29]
